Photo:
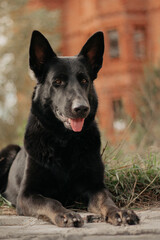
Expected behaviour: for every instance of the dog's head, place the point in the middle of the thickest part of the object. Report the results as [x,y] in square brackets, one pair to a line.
[65,89]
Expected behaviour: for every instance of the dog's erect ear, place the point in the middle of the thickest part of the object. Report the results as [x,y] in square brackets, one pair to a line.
[40,52]
[93,51]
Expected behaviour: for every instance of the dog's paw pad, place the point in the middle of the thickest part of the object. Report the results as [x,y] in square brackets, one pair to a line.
[118,217]
[69,219]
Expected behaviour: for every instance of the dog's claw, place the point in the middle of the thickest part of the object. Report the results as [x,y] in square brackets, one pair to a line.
[65,220]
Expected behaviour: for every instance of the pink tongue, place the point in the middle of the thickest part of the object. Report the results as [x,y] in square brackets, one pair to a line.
[77,124]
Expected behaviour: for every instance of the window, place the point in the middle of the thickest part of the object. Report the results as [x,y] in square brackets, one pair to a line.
[113,38]
[119,122]
[139,42]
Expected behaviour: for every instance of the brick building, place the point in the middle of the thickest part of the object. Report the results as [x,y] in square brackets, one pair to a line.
[132,38]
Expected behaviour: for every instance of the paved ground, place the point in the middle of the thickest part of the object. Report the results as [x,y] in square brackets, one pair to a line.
[28,228]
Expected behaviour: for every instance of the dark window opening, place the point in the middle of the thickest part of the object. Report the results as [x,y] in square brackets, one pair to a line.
[119,122]
[139,42]
[113,38]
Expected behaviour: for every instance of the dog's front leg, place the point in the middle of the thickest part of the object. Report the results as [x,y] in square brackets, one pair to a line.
[36,205]
[101,203]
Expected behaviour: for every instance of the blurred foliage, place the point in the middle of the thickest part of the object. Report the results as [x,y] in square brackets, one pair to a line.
[146,129]
[17,22]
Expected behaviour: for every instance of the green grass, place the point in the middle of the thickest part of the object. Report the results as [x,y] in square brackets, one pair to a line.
[4,202]
[6,207]
[132,178]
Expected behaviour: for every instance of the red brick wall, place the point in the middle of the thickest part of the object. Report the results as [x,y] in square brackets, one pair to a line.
[154,30]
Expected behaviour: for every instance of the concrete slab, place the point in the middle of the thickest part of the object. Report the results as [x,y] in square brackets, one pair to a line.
[26,228]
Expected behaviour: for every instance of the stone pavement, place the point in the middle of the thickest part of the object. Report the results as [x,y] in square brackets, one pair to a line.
[29,228]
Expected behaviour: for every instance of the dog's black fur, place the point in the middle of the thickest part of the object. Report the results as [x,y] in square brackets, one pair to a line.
[60,162]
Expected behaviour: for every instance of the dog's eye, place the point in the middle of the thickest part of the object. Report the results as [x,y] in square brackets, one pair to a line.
[58,82]
[84,81]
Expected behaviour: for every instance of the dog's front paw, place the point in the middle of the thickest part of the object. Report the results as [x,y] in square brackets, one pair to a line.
[118,217]
[69,219]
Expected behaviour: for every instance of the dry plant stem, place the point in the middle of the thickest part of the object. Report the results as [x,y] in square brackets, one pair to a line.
[120,145]
[143,191]
[133,191]
[104,149]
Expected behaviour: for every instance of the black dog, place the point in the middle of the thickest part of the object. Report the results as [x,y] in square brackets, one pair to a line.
[60,162]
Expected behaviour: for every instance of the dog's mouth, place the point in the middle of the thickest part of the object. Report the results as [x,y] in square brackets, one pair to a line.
[76,124]
[73,124]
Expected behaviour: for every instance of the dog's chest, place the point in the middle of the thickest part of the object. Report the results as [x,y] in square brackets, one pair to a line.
[69,173]
[68,167]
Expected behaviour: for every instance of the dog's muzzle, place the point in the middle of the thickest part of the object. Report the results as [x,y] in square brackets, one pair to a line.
[79,111]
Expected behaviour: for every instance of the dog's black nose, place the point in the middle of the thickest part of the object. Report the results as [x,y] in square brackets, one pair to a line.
[80,110]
